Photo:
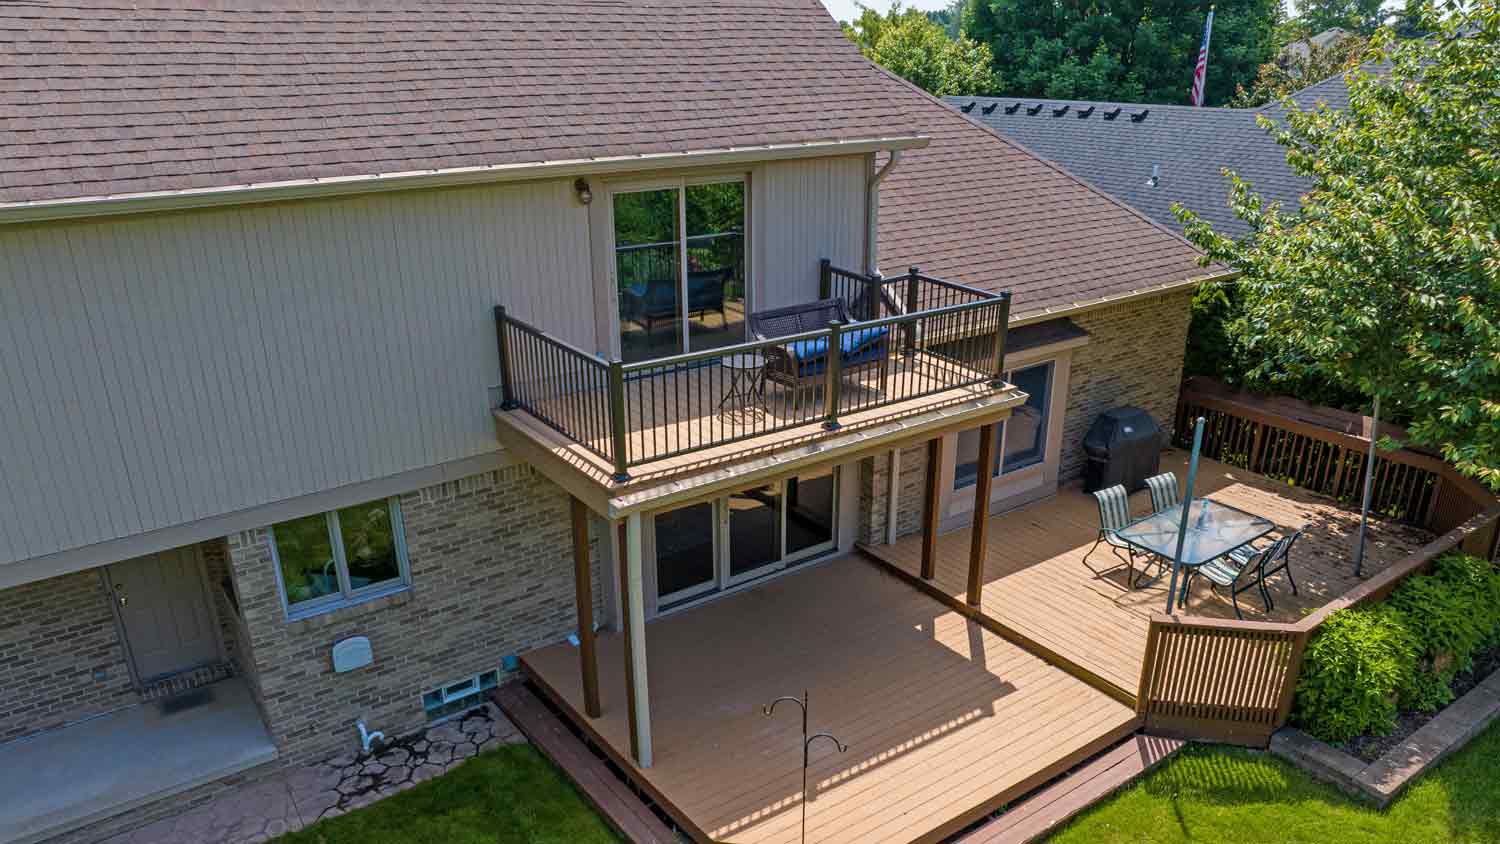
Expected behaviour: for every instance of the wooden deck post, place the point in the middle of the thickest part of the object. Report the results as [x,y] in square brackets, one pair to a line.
[583,596]
[930,514]
[637,689]
[979,531]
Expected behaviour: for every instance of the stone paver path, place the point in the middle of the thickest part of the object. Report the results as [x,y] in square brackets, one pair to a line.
[293,799]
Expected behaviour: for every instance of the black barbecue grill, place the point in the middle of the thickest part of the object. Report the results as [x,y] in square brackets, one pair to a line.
[1123,447]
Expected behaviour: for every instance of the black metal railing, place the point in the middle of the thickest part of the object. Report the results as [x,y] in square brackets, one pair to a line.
[913,336]
[561,385]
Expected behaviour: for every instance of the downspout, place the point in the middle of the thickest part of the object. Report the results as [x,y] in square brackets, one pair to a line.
[872,212]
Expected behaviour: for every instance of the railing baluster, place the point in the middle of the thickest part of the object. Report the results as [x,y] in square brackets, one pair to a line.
[833,369]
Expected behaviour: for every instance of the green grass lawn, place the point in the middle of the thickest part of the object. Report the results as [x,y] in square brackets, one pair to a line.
[507,796]
[1216,794]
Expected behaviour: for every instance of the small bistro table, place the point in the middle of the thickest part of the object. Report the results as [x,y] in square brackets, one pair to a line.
[747,381]
[1213,530]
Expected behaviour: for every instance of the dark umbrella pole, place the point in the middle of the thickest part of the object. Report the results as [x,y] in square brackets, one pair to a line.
[1364,510]
[1187,506]
[807,743]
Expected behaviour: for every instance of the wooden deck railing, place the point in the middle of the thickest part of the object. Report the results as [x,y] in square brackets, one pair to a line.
[1235,681]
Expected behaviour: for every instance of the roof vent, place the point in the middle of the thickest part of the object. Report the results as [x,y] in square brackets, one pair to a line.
[1085,112]
[1140,115]
[1112,113]
[1059,112]
[1155,179]
[989,109]
[1012,109]
[967,108]
[1036,109]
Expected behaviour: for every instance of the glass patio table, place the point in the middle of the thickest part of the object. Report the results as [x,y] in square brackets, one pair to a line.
[1213,530]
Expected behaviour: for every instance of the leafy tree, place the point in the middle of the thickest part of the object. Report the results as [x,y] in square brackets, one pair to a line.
[1122,49]
[911,45]
[1292,72]
[1361,16]
[1388,279]
[949,18]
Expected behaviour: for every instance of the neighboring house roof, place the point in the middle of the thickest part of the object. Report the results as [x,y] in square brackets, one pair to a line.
[978,208]
[1332,92]
[163,95]
[1188,147]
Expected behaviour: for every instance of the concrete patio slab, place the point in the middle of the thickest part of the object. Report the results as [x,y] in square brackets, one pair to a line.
[67,778]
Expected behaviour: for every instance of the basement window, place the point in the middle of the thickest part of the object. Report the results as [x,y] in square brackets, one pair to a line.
[458,696]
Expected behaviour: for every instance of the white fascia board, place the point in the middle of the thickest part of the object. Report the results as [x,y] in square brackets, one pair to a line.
[135,203]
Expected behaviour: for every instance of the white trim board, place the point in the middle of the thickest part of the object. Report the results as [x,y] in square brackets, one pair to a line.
[215,527]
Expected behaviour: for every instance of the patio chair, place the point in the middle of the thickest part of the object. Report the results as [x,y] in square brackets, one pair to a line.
[1114,514]
[1164,494]
[1281,563]
[802,363]
[1242,570]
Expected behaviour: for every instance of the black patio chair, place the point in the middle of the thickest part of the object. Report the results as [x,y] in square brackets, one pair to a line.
[1242,570]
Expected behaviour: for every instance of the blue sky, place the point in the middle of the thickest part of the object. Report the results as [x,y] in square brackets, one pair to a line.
[844,10]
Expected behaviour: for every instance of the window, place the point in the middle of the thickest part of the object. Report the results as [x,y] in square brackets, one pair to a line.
[332,559]
[1021,440]
[680,268]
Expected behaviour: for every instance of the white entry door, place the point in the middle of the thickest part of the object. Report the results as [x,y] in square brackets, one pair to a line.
[164,609]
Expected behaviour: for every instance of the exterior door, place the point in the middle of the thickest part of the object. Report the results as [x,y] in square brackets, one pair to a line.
[164,610]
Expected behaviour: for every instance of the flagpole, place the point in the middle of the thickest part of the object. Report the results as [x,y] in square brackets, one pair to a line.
[1200,69]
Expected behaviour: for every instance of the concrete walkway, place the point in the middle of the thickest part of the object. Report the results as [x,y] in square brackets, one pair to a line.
[69,778]
[291,800]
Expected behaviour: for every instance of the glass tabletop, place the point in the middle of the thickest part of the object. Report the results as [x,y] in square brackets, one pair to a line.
[1213,530]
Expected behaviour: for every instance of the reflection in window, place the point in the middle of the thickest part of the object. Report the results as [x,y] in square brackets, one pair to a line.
[648,269]
[685,550]
[1021,440]
[334,557]
[809,511]
[1026,429]
[651,250]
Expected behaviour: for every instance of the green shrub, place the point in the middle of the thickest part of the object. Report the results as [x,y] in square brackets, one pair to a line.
[1357,666]
[1481,580]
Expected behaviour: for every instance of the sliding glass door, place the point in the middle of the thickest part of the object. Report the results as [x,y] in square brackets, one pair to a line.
[711,546]
[680,267]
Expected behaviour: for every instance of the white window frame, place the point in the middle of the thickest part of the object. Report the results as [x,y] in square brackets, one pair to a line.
[347,595]
[679,184]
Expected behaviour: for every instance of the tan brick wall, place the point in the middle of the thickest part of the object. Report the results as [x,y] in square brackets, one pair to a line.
[874,486]
[54,636]
[1134,356]
[491,569]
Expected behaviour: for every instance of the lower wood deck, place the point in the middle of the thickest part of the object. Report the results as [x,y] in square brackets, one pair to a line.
[945,721]
[1039,586]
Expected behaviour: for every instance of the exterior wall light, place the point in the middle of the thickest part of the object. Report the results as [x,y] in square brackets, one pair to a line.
[581,187]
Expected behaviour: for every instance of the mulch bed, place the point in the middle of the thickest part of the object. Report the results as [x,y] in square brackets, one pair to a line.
[1371,748]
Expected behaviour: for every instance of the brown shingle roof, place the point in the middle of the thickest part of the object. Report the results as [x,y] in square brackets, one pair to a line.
[106,98]
[112,97]
[977,208]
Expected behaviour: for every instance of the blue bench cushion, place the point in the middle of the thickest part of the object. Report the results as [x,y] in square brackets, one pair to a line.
[858,346]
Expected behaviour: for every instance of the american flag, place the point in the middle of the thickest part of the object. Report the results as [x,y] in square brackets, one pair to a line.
[1201,70]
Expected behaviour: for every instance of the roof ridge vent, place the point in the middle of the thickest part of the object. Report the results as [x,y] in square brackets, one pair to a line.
[1084,113]
[1111,114]
[1059,112]
[1012,109]
[989,109]
[1140,115]
[967,108]
[1036,109]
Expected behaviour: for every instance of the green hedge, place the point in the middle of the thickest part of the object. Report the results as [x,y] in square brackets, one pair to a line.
[1363,666]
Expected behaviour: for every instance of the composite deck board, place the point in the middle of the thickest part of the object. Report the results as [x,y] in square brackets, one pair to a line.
[1036,582]
[1051,807]
[945,721]
[611,797]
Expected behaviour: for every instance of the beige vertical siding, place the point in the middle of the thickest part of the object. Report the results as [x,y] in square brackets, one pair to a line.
[803,211]
[159,370]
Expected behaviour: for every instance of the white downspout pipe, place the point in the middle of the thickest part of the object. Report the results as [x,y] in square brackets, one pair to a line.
[872,212]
